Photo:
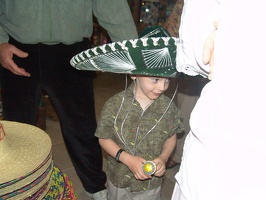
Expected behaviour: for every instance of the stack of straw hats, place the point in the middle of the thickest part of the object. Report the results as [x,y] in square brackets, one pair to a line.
[27,170]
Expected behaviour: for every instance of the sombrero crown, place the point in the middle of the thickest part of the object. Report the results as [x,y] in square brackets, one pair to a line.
[153,54]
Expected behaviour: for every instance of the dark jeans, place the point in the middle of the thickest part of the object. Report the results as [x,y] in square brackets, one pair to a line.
[71,92]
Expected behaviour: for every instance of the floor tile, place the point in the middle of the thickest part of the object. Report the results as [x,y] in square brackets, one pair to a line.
[54,131]
[61,157]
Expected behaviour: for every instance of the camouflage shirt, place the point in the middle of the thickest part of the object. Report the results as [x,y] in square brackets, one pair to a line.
[145,144]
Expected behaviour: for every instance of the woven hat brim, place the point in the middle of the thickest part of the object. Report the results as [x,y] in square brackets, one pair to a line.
[22,150]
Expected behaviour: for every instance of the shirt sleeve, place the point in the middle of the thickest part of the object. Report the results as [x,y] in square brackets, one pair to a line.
[3,35]
[196,25]
[176,120]
[105,127]
[115,16]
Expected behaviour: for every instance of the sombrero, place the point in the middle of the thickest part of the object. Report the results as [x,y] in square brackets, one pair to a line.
[26,165]
[152,54]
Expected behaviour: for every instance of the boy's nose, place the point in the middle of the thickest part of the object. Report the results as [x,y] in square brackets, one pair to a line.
[161,86]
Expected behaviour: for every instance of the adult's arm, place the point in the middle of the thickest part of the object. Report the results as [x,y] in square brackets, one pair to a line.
[193,34]
[7,52]
[116,17]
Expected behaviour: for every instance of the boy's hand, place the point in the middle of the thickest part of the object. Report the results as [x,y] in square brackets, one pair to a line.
[160,167]
[134,163]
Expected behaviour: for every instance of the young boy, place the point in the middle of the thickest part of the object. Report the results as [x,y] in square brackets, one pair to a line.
[140,123]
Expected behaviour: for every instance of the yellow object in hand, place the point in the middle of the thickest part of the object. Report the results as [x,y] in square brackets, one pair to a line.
[149,167]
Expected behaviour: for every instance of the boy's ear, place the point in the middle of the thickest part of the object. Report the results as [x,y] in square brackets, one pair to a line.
[133,77]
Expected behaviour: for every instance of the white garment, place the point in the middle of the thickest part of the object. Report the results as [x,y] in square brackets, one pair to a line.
[224,154]
[196,24]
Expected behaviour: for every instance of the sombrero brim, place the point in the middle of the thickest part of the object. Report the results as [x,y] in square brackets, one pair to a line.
[155,56]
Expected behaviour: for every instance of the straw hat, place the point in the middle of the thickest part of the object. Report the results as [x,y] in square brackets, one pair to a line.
[26,165]
[22,148]
[153,54]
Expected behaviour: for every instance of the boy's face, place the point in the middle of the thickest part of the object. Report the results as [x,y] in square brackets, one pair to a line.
[151,87]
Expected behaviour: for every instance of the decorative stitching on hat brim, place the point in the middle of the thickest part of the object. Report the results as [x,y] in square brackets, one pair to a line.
[145,56]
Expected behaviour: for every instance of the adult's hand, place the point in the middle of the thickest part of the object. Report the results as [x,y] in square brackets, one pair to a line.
[7,51]
[208,50]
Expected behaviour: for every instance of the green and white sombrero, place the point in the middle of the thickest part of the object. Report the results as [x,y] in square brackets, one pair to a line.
[153,54]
